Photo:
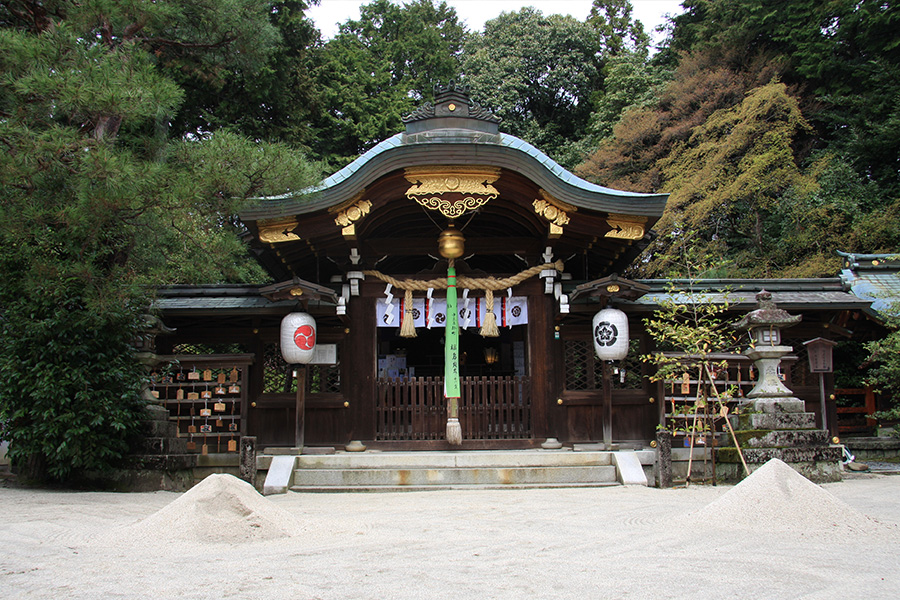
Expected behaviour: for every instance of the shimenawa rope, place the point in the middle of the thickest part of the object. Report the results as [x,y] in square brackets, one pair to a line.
[488,284]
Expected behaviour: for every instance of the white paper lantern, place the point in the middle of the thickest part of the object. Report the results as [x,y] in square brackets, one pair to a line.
[298,338]
[610,332]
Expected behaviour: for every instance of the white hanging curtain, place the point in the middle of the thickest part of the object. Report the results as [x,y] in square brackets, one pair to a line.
[509,312]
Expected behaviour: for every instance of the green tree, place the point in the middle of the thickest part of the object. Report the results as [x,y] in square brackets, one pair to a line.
[833,209]
[884,367]
[844,53]
[730,176]
[619,32]
[630,79]
[538,73]
[647,133]
[631,82]
[97,203]
[377,69]
[691,332]
[273,99]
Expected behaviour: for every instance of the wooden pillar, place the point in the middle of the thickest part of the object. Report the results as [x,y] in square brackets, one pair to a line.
[358,364]
[544,411]
[606,391]
[301,408]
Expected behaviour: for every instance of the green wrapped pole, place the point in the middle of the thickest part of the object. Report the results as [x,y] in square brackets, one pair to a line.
[451,362]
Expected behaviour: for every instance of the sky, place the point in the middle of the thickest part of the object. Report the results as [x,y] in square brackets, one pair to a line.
[475,12]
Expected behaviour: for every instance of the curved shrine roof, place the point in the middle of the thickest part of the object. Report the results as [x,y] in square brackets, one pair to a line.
[457,131]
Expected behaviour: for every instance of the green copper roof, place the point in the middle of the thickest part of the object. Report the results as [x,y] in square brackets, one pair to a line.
[874,277]
[458,147]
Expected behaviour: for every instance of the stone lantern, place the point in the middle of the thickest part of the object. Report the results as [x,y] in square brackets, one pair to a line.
[776,424]
[764,326]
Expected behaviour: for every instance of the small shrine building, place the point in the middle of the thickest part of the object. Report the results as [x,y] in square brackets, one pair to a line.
[537,252]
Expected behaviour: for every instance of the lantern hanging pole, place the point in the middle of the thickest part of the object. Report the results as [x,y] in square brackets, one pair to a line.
[298,344]
[822,400]
[300,425]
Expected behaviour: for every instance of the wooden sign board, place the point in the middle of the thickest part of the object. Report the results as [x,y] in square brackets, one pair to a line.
[324,354]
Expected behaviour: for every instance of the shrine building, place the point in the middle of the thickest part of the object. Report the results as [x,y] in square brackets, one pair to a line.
[365,254]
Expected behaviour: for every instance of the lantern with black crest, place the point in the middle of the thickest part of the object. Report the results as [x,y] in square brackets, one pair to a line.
[610,333]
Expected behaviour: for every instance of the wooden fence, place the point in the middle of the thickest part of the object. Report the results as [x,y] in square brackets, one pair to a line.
[491,408]
[855,418]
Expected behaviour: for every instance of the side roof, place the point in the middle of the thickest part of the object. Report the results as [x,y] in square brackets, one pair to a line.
[830,293]
[874,277]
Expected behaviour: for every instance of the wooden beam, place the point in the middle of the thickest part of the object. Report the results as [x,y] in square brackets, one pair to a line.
[487,246]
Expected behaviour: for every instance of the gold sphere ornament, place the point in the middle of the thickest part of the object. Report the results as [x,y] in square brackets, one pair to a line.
[451,243]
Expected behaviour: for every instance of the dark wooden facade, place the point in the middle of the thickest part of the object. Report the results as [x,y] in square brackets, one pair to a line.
[546,383]
[566,392]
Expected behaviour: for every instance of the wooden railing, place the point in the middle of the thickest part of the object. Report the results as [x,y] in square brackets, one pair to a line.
[850,418]
[491,408]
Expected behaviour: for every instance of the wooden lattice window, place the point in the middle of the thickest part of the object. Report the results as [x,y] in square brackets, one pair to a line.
[584,369]
[278,376]
[582,366]
[627,373]
[323,379]
[198,349]
[799,369]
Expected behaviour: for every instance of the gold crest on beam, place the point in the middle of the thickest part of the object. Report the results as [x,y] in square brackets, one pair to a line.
[626,227]
[347,218]
[274,231]
[553,211]
[452,190]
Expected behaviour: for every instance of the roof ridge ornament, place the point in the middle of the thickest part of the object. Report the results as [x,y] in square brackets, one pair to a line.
[451,87]
[451,100]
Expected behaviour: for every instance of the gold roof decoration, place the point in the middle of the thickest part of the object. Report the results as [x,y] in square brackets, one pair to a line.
[451,190]
[347,214]
[274,231]
[626,227]
[554,211]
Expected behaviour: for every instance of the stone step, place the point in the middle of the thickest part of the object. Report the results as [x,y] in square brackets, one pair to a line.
[439,460]
[396,471]
[453,476]
[434,488]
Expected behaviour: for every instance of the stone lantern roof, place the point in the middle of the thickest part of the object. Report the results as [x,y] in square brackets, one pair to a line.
[766,315]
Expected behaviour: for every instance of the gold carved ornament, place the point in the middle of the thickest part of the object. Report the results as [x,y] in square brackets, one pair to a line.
[554,211]
[452,191]
[348,216]
[275,231]
[626,227]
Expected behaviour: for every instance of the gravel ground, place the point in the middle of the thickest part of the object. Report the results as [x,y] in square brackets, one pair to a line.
[620,542]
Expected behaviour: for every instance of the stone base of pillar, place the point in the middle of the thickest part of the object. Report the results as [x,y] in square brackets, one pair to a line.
[768,428]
